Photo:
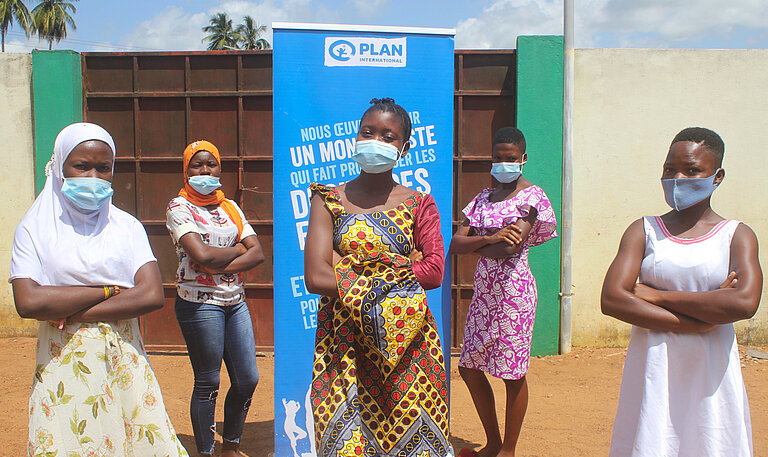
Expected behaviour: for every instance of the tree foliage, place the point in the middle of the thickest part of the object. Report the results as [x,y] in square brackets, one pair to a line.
[250,34]
[11,10]
[223,35]
[50,19]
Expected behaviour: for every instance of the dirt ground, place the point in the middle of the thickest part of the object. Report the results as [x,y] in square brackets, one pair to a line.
[572,402]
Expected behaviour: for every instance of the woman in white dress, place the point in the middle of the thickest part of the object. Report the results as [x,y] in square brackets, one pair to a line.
[85,269]
[682,393]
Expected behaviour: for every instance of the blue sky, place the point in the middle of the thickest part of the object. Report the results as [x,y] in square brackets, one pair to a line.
[146,25]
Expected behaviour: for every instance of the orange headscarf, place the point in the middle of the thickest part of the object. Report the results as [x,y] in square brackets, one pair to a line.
[214,198]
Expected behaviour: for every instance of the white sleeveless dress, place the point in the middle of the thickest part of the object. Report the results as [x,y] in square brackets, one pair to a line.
[683,394]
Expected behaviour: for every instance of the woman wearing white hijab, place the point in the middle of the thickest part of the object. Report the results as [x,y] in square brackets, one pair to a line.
[84,268]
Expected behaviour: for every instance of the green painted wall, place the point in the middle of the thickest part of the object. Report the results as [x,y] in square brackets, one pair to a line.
[540,117]
[57,87]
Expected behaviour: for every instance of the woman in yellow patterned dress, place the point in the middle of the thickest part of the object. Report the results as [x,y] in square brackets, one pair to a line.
[84,268]
[379,386]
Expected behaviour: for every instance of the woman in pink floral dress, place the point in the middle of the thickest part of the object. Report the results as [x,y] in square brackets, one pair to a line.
[502,223]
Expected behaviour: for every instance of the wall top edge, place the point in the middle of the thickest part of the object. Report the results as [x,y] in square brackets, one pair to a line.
[362,28]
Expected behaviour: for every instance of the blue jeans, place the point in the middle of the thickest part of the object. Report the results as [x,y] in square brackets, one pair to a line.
[215,333]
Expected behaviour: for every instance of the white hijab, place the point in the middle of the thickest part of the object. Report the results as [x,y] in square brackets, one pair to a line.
[58,243]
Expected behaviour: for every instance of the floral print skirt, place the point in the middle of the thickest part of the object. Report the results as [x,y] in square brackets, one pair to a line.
[95,394]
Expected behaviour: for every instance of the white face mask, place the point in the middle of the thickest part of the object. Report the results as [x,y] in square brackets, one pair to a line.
[87,193]
[205,184]
[374,156]
[506,172]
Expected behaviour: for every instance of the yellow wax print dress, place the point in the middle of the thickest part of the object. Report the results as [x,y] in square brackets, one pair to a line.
[379,386]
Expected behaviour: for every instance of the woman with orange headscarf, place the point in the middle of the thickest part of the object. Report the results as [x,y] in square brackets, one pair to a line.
[215,246]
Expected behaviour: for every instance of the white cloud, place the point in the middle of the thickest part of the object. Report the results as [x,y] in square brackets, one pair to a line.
[172,29]
[599,23]
[17,41]
[106,46]
[500,23]
[23,46]
[615,23]
[665,23]
[177,29]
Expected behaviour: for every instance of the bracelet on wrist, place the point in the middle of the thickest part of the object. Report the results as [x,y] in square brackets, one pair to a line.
[111,291]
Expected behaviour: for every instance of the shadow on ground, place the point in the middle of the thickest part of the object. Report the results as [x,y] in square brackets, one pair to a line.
[257,440]
[459,443]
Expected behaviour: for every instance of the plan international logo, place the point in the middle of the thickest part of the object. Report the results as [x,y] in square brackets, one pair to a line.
[365,52]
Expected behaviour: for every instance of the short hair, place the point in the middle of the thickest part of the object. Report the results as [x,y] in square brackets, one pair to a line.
[511,135]
[707,137]
[388,105]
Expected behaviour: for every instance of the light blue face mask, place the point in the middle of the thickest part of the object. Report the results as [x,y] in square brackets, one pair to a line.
[87,193]
[683,193]
[506,172]
[373,156]
[205,184]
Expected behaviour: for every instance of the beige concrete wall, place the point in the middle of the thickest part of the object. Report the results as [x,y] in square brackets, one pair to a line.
[629,104]
[17,182]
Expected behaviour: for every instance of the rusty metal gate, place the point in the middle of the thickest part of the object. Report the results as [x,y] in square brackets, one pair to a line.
[154,104]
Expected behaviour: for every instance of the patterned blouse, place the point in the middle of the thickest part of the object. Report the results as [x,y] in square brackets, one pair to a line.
[216,229]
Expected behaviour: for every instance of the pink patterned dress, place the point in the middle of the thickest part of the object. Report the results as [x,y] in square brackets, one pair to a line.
[499,328]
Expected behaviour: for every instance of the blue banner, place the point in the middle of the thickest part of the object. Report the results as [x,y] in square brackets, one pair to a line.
[323,80]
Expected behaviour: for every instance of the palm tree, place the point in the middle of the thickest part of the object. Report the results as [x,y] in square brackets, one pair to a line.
[50,19]
[10,9]
[222,35]
[250,34]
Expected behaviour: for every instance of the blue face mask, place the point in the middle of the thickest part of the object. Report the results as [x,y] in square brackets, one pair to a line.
[683,193]
[205,184]
[373,156]
[506,172]
[87,193]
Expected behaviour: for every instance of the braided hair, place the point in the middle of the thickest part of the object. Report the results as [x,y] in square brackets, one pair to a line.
[388,105]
